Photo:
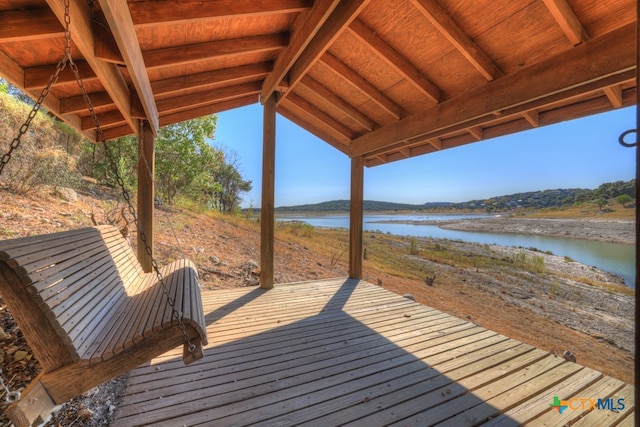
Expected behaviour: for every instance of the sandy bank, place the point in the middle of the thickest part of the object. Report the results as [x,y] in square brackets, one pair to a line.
[604,230]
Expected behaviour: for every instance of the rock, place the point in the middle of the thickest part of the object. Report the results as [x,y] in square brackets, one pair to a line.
[214,260]
[251,265]
[67,194]
[409,296]
[569,356]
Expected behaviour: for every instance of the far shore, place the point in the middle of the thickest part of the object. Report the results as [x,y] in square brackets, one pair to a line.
[621,231]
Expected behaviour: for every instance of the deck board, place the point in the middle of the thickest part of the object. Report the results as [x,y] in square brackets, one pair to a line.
[339,351]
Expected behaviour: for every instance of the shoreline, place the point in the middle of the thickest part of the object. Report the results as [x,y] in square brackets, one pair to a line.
[603,230]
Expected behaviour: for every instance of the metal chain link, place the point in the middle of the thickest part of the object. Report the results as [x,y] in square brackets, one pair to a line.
[11,396]
[125,193]
[15,143]
[622,137]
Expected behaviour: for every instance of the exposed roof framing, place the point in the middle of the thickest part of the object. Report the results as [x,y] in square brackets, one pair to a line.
[381,79]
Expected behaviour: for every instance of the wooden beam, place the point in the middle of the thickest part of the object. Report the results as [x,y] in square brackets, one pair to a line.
[205,110]
[166,11]
[146,194]
[364,86]
[180,55]
[108,119]
[76,104]
[614,93]
[440,19]
[189,101]
[591,62]
[35,78]
[105,46]
[12,72]
[476,132]
[323,134]
[320,117]
[32,24]
[119,19]
[396,61]
[339,103]
[82,35]
[212,79]
[567,20]
[313,125]
[532,117]
[356,217]
[340,18]
[303,31]
[435,143]
[267,218]
[406,151]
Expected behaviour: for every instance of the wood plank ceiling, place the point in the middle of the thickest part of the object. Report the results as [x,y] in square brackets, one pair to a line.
[382,79]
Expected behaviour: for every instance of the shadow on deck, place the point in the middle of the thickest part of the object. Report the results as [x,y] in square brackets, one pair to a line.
[342,351]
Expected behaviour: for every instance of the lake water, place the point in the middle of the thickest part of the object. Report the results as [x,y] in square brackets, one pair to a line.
[616,258]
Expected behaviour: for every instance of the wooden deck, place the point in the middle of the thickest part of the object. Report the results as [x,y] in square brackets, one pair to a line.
[340,351]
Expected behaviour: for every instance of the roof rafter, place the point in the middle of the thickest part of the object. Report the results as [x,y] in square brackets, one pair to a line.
[18,25]
[339,143]
[344,13]
[592,62]
[460,40]
[208,97]
[82,35]
[76,104]
[339,103]
[38,77]
[216,49]
[119,19]
[568,21]
[166,11]
[108,119]
[320,117]
[304,29]
[211,79]
[363,86]
[205,110]
[396,61]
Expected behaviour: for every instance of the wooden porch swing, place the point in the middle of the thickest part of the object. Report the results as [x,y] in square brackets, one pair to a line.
[86,307]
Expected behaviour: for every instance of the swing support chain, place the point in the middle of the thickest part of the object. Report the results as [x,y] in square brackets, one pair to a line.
[191,347]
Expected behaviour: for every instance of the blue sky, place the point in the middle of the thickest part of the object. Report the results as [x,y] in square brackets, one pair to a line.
[581,153]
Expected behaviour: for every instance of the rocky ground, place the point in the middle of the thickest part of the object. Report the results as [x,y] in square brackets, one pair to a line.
[555,308]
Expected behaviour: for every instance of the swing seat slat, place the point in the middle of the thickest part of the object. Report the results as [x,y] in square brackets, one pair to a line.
[88,310]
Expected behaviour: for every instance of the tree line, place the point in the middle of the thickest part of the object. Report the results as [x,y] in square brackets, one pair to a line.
[188,169]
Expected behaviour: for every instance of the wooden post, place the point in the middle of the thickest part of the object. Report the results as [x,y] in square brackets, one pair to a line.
[146,195]
[267,218]
[355,220]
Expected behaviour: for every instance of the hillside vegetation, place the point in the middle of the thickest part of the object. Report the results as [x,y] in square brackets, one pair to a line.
[604,198]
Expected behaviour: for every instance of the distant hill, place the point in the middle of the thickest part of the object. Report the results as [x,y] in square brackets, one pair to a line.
[528,200]
[343,206]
